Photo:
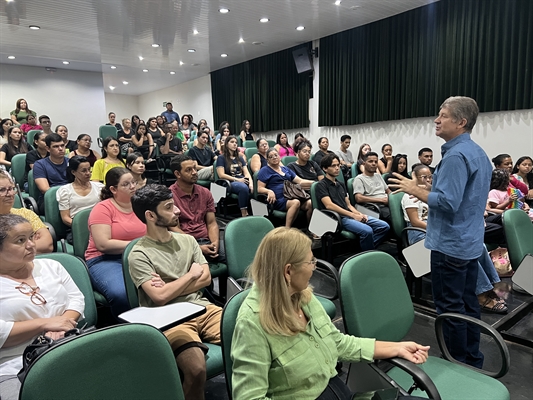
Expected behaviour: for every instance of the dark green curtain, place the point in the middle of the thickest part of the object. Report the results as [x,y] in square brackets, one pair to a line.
[405,66]
[267,91]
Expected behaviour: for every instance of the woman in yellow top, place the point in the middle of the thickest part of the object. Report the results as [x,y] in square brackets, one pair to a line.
[110,159]
[284,345]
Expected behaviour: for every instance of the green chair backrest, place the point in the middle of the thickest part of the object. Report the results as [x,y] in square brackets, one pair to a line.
[315,201]
[119,362]
[131,290]
[249,152]
[242,238]
[52,214]
[288,159]
[77,270]
[33,191]
[107,130]
[349,188]
[227,326]
[18,202]
[519,233]
[340,178]
[271,143]
[18,168]
[249,144]
[255,193]
[31,135]
[355,170]
[374,298]
[396,212]
[81,233]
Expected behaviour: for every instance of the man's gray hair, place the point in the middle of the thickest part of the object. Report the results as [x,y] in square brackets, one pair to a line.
[462,107]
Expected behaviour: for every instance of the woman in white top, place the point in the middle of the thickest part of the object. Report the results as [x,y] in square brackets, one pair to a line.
[415,212]
[78,195]
[37,297]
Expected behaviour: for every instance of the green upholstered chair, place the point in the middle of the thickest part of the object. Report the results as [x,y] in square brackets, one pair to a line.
[248,144]
[105,131]
[349,188]
[33,191]
[53,217]
[375,303]
[242,238]
[77,270]
[18,168]
[227,326]
[519,233]
[231,198]
[131,361]
[288,159]
[249,153]
[213,359]
[271,143]
[31,135]
[355,170]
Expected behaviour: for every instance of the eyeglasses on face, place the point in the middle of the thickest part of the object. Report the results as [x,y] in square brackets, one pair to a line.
[312,263]
[273,155]
[5,190]
[35,297]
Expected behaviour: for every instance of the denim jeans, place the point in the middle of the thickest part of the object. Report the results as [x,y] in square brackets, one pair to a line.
[454,290]
[371,233]
[487,274]
[107,278]
[414,236]
[243,192]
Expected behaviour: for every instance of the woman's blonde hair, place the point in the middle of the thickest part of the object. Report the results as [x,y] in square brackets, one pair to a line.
[280,247]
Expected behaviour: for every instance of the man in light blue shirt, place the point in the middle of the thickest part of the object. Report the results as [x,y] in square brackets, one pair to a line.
[169,114]
[455,227]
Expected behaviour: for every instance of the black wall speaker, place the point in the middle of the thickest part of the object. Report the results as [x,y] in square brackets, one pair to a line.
[302,60]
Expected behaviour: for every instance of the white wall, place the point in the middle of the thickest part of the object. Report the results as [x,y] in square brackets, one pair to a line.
[124,106]
[71,98]
[193,97]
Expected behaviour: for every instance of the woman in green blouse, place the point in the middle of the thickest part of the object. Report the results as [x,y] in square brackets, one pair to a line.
[284,345]
[20,114]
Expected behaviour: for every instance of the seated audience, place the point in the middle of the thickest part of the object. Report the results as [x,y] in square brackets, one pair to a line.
[363,150]
[221,139]
[112,121]
[282,146]
[270,181]
[323,145]
[246,131]
[334,197]
[84,142]
[40,152]
[425,156]
[303,166]
[197,209]
[169,268]
[385,162]
[259,159]
[504,161]
[499,199]
[41,236]
[522,172]
[345,156]
[370,187]
[52,170]
[143,141]
[399,166]
[169,142]
[135,163]
[283,331]
[38,296]
[20,114]
[186,127]
[211,139]
[153,129]
[161,121]
[135,121]
[110,159]
[15,145]
[169,114]
[112,226]
[79,194]
[70,145]
[203,156]
[232,167]
[5,124]
[30,125]
[125,136]
[44,121]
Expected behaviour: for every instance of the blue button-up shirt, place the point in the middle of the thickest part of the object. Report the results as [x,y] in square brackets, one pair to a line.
[171,116]
[458,198]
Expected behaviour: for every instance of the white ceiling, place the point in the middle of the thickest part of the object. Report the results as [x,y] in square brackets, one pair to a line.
[93,35]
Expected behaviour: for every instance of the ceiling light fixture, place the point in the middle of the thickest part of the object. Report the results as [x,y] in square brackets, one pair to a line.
[263,20]
[35,27]
[125,82]
[241,40]
[112,87]
[223,55]
[223,10]
[181,63]
[141,58]
[300,28]
[145,70]
[172,73]
[195,32]
[338,2]
[113,67]
[66,62]
[155,45]
[11,57]
[191,50]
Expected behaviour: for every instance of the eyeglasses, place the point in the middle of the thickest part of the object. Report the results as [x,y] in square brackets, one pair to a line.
[312,262]
[5,190]
[426,176]
[35,297]
[128,184]
[273,156]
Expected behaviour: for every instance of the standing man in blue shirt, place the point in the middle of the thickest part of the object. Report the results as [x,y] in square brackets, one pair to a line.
[455,226]
[170,114]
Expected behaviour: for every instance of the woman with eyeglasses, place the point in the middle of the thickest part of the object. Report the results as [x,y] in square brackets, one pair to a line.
[112,225]
[38,296]
[399,166]
[84,142]
[8,191]
[110,159]
[284,344]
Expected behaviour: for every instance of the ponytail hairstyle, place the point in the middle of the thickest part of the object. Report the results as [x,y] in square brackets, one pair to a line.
[73,165]
[112,179]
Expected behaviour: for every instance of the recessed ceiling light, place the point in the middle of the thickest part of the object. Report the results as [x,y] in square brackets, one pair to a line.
[141,58]
[338,2]
[145,70]
[155,45]
[223,10]
[223,55]
[113,67]
[125,82]
[264,20]
[35,27]
[241,40]
[300,28]
[112,87]
[191,50]
[195,32]
[172,73]
[11,57]
[181,63]
[66,62]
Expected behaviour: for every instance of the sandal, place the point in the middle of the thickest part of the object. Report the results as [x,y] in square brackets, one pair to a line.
[498,308]
[492,295]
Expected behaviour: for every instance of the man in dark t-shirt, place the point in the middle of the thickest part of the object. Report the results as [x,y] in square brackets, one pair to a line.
[203,156]
[303,166]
